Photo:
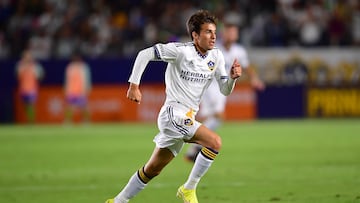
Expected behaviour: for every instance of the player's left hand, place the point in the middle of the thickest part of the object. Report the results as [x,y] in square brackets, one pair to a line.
[235,71]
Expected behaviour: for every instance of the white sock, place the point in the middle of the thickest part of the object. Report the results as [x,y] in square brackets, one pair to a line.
[212,123]
[133,187]
[203,162]
[116,200]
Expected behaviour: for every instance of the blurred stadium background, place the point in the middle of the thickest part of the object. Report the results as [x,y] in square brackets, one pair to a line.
[307,52]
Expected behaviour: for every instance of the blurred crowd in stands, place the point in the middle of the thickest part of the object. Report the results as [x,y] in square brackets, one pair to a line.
[117,28]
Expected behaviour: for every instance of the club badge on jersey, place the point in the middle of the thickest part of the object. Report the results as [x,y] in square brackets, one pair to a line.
[211,65]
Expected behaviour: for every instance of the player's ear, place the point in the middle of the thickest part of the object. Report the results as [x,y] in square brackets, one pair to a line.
[194,35]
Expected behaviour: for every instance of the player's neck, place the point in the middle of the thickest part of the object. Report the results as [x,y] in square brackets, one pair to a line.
[200,50]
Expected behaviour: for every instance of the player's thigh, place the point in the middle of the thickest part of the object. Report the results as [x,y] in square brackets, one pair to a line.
[158,160]
[207,138]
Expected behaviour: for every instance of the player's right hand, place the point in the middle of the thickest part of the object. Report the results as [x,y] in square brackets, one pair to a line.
[134,93]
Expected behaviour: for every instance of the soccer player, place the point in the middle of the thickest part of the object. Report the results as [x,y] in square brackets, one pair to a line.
[191,68]
[213,106]
[77,87]
[29,72]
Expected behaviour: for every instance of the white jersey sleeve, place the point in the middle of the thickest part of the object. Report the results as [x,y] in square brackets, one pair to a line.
[166,52]
[141,61]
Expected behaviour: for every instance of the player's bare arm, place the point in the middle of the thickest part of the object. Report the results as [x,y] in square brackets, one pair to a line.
[134,93]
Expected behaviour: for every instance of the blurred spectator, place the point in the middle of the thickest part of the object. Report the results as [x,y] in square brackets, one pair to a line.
[40,44]
[256,31]
[339,24]
[6,11]
[93,46]
[29,72]
[151,33]
[49,20]
[311,25]
[356,24]
[99,23]
[4,50]
[18,30]
[119,28]
[65,42]
[337,30]
[77,87]
[276,31]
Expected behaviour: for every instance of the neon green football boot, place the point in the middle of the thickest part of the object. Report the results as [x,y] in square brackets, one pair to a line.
[110,201]
[188,196]
[113,200]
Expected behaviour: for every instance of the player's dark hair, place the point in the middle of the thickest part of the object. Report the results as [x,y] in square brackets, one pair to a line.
[197,19]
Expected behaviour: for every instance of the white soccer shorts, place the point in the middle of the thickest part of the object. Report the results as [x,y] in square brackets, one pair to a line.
[176,124]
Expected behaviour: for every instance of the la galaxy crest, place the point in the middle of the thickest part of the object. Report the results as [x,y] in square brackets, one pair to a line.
[211,65]
[188,122]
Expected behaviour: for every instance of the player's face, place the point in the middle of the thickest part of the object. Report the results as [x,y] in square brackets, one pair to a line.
[205,40]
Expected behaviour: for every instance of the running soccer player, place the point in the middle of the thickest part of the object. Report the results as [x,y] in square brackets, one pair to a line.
[191,68]
[213,106]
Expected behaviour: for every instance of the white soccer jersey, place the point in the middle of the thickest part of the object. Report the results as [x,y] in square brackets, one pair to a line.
[213,100]
[189,73]
[187,76]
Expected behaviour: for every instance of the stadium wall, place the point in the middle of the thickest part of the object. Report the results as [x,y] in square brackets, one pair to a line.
[108,103]
[288,94]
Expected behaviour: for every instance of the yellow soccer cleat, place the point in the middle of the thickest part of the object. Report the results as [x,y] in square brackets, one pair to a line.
[113,201]
[189,196]
[110,201]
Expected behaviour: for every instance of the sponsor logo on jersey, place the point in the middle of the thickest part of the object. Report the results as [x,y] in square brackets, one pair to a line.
[194,76]
[211,65]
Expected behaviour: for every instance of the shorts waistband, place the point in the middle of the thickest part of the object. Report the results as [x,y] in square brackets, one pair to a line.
[180,106]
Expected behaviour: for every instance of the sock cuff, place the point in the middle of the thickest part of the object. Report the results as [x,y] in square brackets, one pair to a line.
[209,153]
[142,176]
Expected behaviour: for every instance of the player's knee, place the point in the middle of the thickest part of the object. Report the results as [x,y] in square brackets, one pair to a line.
[216,144]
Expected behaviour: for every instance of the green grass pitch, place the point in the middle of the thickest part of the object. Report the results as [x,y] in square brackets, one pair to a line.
[300,161]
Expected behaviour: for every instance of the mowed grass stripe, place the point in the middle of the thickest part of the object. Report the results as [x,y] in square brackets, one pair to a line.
[261,161]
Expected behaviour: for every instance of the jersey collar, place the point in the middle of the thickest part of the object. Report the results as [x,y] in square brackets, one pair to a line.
[203,56]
